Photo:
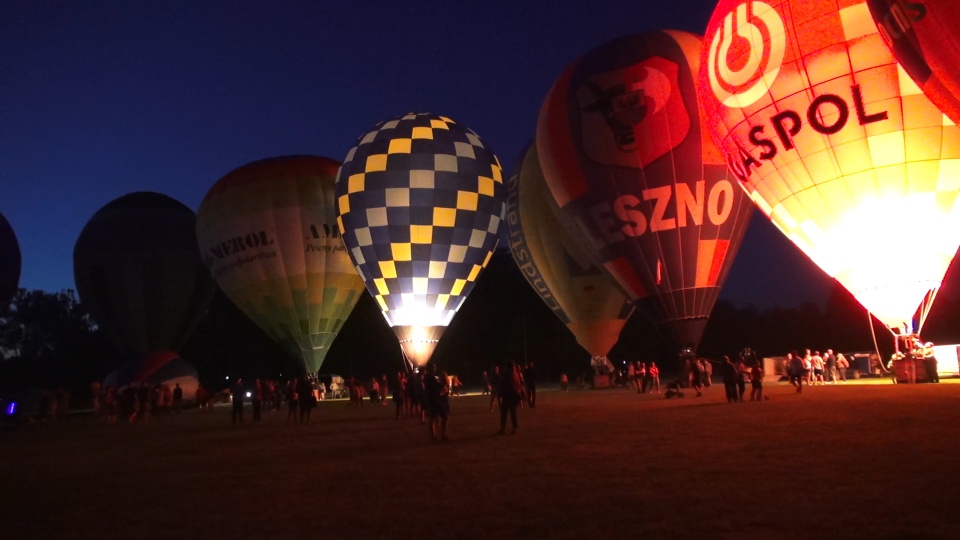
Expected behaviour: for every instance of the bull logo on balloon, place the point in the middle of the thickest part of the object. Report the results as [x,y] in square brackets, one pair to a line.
[630,102]
[653,203]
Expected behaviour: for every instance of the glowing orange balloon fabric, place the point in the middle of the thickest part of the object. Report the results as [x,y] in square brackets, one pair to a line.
[835,143]
[623,152]
[924,38]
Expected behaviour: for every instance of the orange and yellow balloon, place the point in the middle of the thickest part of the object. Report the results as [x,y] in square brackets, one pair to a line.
[837,145]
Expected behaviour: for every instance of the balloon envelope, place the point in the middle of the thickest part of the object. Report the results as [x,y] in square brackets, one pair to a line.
[138,272]
[161,367]
[267,233]
[9,263]
[580,293]
[924,39]
[622,149]
[836,144]
[419,200]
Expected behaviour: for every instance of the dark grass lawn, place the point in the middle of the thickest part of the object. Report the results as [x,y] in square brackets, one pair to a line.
[856,461]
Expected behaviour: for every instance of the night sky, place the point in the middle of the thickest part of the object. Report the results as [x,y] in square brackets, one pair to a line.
[99,99]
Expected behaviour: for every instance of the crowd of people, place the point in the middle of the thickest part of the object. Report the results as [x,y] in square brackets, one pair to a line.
[812,368]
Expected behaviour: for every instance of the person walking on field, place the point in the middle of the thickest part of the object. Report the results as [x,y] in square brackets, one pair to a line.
[511,391]
[236,393]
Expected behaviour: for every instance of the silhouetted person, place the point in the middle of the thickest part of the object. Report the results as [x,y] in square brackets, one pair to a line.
[530,381]
[730,376]
[177,398]
[236,393]
[511,390]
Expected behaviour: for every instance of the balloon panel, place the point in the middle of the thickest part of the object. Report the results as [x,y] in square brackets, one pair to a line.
[836,144]
[9,263]
[924,40]
[587,300]
[622,149]
[420,200]
[267,233]
[138,272]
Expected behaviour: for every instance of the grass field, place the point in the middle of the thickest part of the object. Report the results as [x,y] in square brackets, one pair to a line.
[871,461]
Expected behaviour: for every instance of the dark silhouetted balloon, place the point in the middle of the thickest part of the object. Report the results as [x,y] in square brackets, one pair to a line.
[925,42]
[138,271]
[9,263]
[630,167]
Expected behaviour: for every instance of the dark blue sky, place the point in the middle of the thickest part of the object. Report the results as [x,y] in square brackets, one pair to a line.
[99,99]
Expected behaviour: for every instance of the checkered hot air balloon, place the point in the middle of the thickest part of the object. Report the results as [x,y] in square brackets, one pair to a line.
[419,204]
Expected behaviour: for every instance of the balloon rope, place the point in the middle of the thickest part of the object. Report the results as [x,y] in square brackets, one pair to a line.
[876,347]
[926,306]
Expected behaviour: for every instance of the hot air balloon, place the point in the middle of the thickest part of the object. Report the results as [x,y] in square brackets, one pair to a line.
[161,367]
[925,42]
[9,264]
[837,146]
[419,203]
[628,164]
[580,293]
[138,271]
[267,233]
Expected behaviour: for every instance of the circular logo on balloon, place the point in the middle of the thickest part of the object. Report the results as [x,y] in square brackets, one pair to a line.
[753,35]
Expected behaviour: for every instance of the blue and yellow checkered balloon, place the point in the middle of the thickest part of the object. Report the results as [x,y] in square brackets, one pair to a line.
[419,203]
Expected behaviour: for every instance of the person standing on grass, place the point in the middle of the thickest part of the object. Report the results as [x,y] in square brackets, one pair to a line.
[399,392]
[495,383]
[756,382]
[256,399]
[177,399]
[742,370]
[842,365]
[795,367]
[729,373]
[653,374]
[432,400]
[830,365]
[305,395]
[293,400]
[511,392]
[236,394]
[530,382]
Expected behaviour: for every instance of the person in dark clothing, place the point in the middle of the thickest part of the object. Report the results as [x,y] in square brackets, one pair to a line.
[177,398]
[305,395]
[257,399]
[530,382]
[236,393]
[730,378]
[495,382]
[511,390]
[433,403]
